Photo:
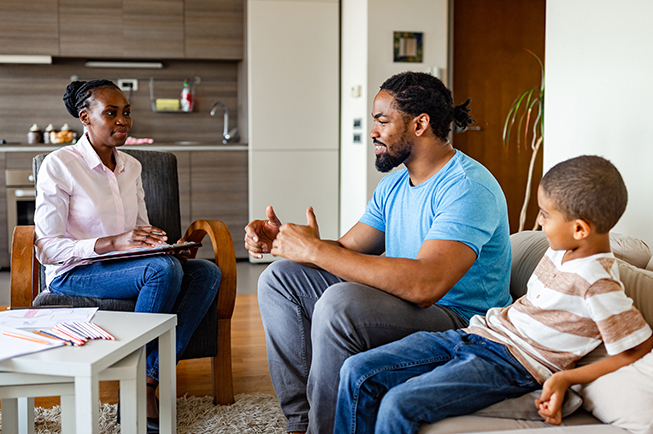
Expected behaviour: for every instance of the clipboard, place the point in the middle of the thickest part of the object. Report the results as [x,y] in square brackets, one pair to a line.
[142,252]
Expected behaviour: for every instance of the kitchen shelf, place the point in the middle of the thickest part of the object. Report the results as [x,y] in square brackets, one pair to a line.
[195,81]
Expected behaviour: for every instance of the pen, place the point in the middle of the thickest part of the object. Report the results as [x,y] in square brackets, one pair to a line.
[27,338]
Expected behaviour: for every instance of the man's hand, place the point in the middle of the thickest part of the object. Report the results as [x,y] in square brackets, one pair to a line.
[296,242]
[260,234]
[549,404]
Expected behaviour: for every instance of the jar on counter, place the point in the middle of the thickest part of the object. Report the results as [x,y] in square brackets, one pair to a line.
[34,135]
[48,131]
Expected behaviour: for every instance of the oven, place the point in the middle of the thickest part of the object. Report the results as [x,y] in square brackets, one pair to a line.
[21,200]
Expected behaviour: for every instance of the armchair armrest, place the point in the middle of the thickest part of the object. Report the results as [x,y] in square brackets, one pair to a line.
[225,258]
[24,280]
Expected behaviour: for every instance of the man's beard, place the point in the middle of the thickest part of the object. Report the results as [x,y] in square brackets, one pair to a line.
[385,162]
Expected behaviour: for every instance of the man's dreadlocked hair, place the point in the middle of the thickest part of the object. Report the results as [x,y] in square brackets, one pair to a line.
[417,92]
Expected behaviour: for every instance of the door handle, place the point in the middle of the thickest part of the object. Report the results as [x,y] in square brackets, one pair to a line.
[464,130]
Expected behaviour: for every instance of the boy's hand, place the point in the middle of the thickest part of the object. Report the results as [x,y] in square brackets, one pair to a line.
[549,404]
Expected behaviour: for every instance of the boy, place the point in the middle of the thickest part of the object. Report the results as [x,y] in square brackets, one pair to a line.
[574,302]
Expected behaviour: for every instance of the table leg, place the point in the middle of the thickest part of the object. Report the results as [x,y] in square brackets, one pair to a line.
[26,415]
[141,392]
[87,397]
[133,399]
[9,416]
[68,414]
[168,382]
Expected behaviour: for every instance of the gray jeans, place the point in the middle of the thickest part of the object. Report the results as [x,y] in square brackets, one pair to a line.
[314,320]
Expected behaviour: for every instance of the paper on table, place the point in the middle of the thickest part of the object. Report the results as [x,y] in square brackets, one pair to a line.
[44,318]
[13,347]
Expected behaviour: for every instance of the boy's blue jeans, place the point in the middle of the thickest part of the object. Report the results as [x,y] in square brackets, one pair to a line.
[456,374]
[161,284]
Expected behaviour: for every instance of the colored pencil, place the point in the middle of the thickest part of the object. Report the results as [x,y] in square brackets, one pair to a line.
[53,336]
[27,338]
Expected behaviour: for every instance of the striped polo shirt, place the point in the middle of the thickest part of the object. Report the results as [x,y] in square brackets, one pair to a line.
[568,310]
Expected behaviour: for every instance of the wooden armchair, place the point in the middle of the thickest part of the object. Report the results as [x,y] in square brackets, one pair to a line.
[213,336]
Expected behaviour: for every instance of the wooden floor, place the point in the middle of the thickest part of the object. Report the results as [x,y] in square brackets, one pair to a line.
[250,366]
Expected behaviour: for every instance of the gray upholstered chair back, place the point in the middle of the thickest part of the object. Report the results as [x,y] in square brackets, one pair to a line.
[161,187]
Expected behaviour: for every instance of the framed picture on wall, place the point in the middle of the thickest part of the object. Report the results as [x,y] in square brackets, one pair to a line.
[408,47]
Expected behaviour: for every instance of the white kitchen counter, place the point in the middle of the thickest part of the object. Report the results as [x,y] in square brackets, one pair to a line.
[157,146]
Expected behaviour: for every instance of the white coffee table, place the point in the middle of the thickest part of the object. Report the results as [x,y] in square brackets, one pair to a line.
[85,363]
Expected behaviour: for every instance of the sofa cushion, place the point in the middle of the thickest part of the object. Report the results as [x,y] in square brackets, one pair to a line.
[477,424]
[528,247]
[630,249]
[523,407]
[623,398]
[639,286]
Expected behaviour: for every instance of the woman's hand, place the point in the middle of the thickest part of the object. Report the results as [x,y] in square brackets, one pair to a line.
[182,255]
[141,236]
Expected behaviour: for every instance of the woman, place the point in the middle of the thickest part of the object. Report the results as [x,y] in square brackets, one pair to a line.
[90,201]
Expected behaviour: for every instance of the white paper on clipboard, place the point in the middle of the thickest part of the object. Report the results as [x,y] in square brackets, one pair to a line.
[144,251]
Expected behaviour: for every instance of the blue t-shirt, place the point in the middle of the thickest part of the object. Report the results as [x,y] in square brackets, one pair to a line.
[462,202]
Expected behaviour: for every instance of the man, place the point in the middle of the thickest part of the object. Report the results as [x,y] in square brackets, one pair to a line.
[443,225]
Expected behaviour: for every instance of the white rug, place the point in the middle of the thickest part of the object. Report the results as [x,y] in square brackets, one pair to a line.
[251,413]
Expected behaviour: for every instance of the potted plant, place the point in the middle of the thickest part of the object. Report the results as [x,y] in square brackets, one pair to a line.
[527,111]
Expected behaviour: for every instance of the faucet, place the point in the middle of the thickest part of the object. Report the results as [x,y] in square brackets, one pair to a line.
[226,134]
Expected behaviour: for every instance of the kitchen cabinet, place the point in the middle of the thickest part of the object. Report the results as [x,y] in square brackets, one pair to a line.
[127,29]
[90,28]
[294,167]
[218,190]
[213,186]
[214,29]
[155,29]
[29,27]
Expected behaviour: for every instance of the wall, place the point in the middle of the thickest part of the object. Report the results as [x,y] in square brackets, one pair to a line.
[33,94]
[293,79]
[598,93]
[367,60]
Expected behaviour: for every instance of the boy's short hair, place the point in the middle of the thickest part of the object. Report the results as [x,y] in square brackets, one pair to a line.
[589,188]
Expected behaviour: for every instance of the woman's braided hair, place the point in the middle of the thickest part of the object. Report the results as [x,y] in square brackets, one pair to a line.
[418,92]
[78,93]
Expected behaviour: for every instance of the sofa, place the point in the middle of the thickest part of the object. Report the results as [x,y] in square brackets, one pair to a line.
[620,402]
